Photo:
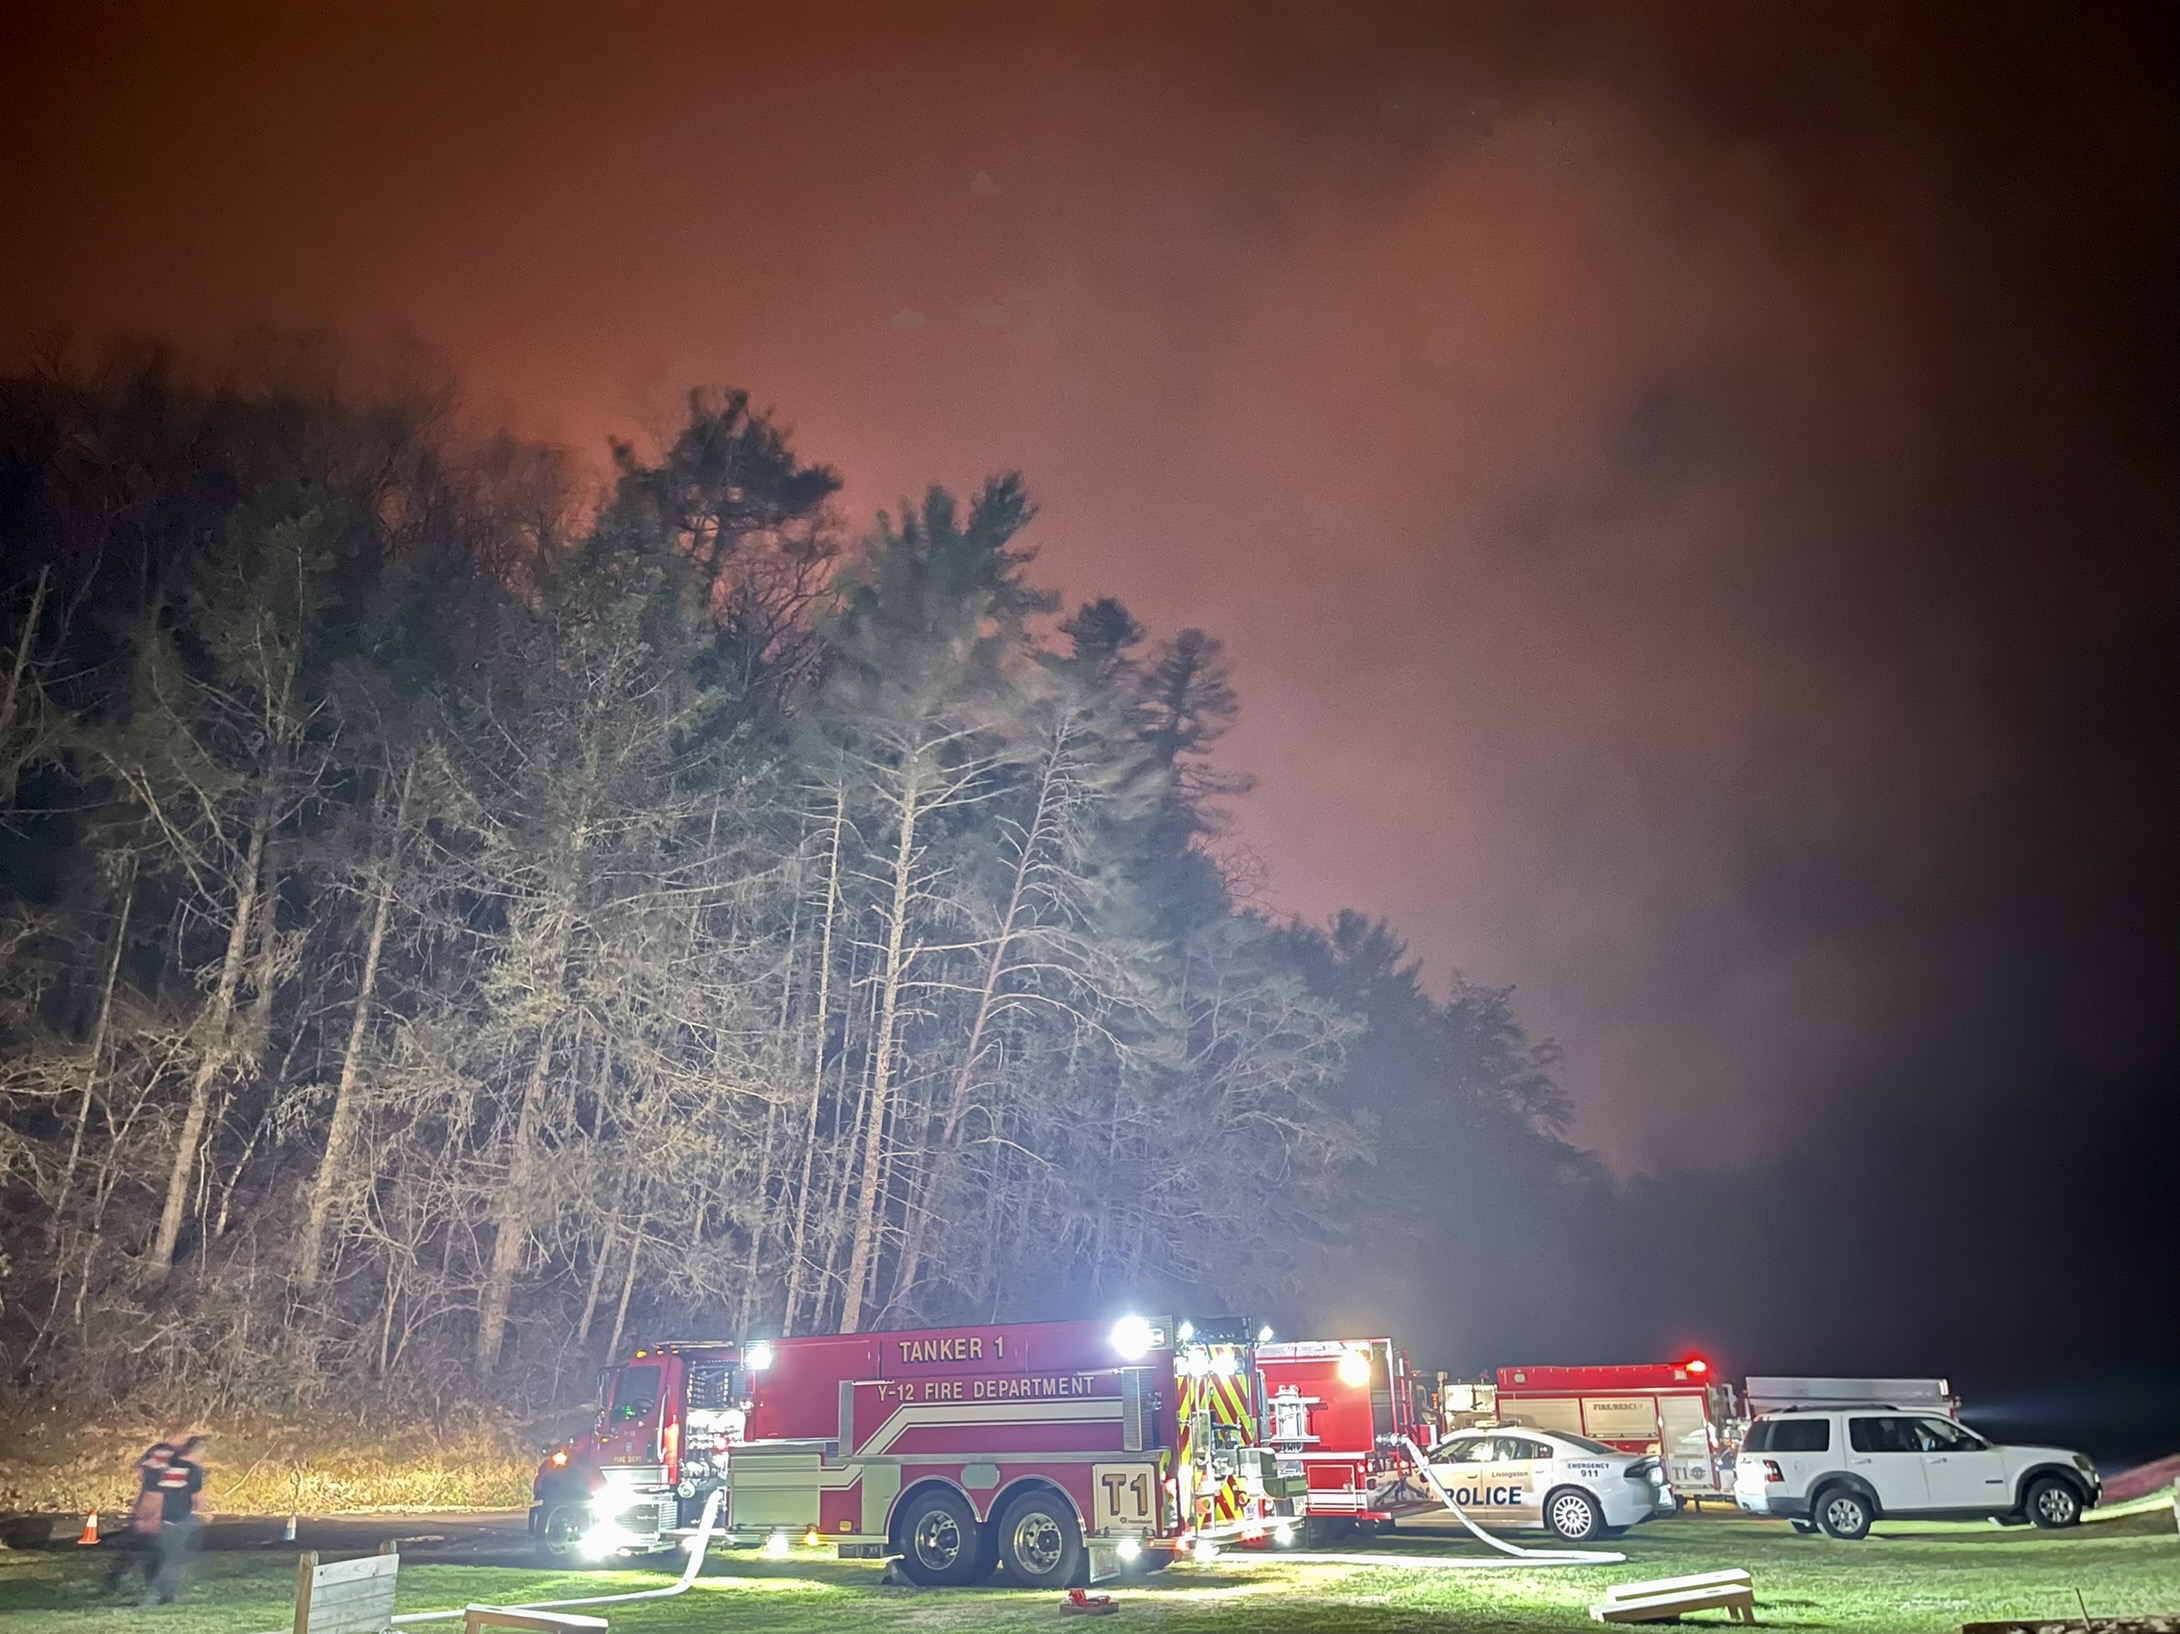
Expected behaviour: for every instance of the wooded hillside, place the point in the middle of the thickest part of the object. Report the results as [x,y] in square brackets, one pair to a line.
[452,919]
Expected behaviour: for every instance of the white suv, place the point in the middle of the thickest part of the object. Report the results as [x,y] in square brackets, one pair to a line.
[1843,1469]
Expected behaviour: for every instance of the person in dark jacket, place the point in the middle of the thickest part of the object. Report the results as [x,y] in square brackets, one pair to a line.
[135,1546]
[179,1484]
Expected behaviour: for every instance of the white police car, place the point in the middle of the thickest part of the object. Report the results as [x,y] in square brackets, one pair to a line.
[1577,1487]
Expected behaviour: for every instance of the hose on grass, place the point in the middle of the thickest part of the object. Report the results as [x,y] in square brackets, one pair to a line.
[694,1564]
[698,1545]
[1534,1557]
[1518,1556]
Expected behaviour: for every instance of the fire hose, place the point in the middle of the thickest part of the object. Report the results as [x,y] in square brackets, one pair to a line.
[1520,1556]
[694,1564]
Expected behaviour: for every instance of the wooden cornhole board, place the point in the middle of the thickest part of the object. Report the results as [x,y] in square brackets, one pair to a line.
[347,1596]
[1668,1597]
[528,1622]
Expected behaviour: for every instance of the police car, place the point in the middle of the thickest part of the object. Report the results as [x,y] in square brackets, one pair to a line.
[1577,1487]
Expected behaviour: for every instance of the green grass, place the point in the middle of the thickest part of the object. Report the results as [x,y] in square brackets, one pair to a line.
[1905,1580]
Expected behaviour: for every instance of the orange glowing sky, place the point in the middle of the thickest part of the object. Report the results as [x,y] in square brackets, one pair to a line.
[1671,492]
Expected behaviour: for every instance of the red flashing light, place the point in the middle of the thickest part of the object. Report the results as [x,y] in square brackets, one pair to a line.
[1697,1364]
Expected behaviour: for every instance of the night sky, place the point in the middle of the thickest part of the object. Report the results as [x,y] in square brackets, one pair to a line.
[1691,495]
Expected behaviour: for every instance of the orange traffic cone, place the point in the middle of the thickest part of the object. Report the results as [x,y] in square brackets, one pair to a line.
[89,1540]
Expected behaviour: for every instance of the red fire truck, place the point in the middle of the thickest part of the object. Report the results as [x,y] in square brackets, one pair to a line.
[1057,1452]
[1337,1411]
[1671,1409]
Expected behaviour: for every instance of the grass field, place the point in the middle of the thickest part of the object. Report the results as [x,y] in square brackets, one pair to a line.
[1905,1580]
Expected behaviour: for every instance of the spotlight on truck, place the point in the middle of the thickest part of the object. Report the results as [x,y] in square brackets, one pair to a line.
[1133,1338]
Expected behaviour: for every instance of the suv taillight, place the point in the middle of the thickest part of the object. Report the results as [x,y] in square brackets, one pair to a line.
[1771,1472]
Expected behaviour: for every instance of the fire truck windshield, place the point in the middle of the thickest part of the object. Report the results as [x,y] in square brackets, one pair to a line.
[635,1393]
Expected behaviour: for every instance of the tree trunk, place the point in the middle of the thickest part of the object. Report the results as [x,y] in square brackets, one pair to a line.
[11,699]
[863,1252]
[817,1065]
[341,1132]
[597,1281]
[95,1054]
[628,1286]
[940,1171]
[510,1212]
[216,1032]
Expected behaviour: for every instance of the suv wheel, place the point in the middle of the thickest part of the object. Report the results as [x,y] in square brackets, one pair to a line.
[1843,1513]
[1573,1515]
[2053,1502]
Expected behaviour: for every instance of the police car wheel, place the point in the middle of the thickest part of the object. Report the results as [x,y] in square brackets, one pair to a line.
[941,1544]
[1573,1515]
[1039,1543]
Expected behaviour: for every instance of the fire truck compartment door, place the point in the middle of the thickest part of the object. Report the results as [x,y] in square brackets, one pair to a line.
[881,1485]
[1544,1412]
[1685,1438]
[1127,1497]
[773,1489]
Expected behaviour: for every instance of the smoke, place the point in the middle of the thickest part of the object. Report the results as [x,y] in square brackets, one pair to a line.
[1688,496]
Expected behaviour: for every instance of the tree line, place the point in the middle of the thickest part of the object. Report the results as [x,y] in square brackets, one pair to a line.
[457,917]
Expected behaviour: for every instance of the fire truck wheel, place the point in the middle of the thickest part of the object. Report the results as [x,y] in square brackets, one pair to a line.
[560,1534]
[1573,1514]
[1323,1531]
[941,1544]
[1039,1543]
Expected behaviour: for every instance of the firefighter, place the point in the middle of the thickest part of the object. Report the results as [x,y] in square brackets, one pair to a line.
[179,1518]
[138,1542]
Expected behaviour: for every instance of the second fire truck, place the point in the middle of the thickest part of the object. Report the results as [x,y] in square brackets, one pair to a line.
[1339,1413]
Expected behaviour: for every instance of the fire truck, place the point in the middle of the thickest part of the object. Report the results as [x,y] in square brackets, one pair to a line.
[1337,1413]
[1054,1452]
[1673,1410]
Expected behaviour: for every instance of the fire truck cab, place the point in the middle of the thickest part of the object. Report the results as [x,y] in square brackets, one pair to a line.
[1336,1413]
[1055,1452]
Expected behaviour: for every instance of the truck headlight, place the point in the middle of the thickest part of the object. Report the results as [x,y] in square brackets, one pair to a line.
[604,1539]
